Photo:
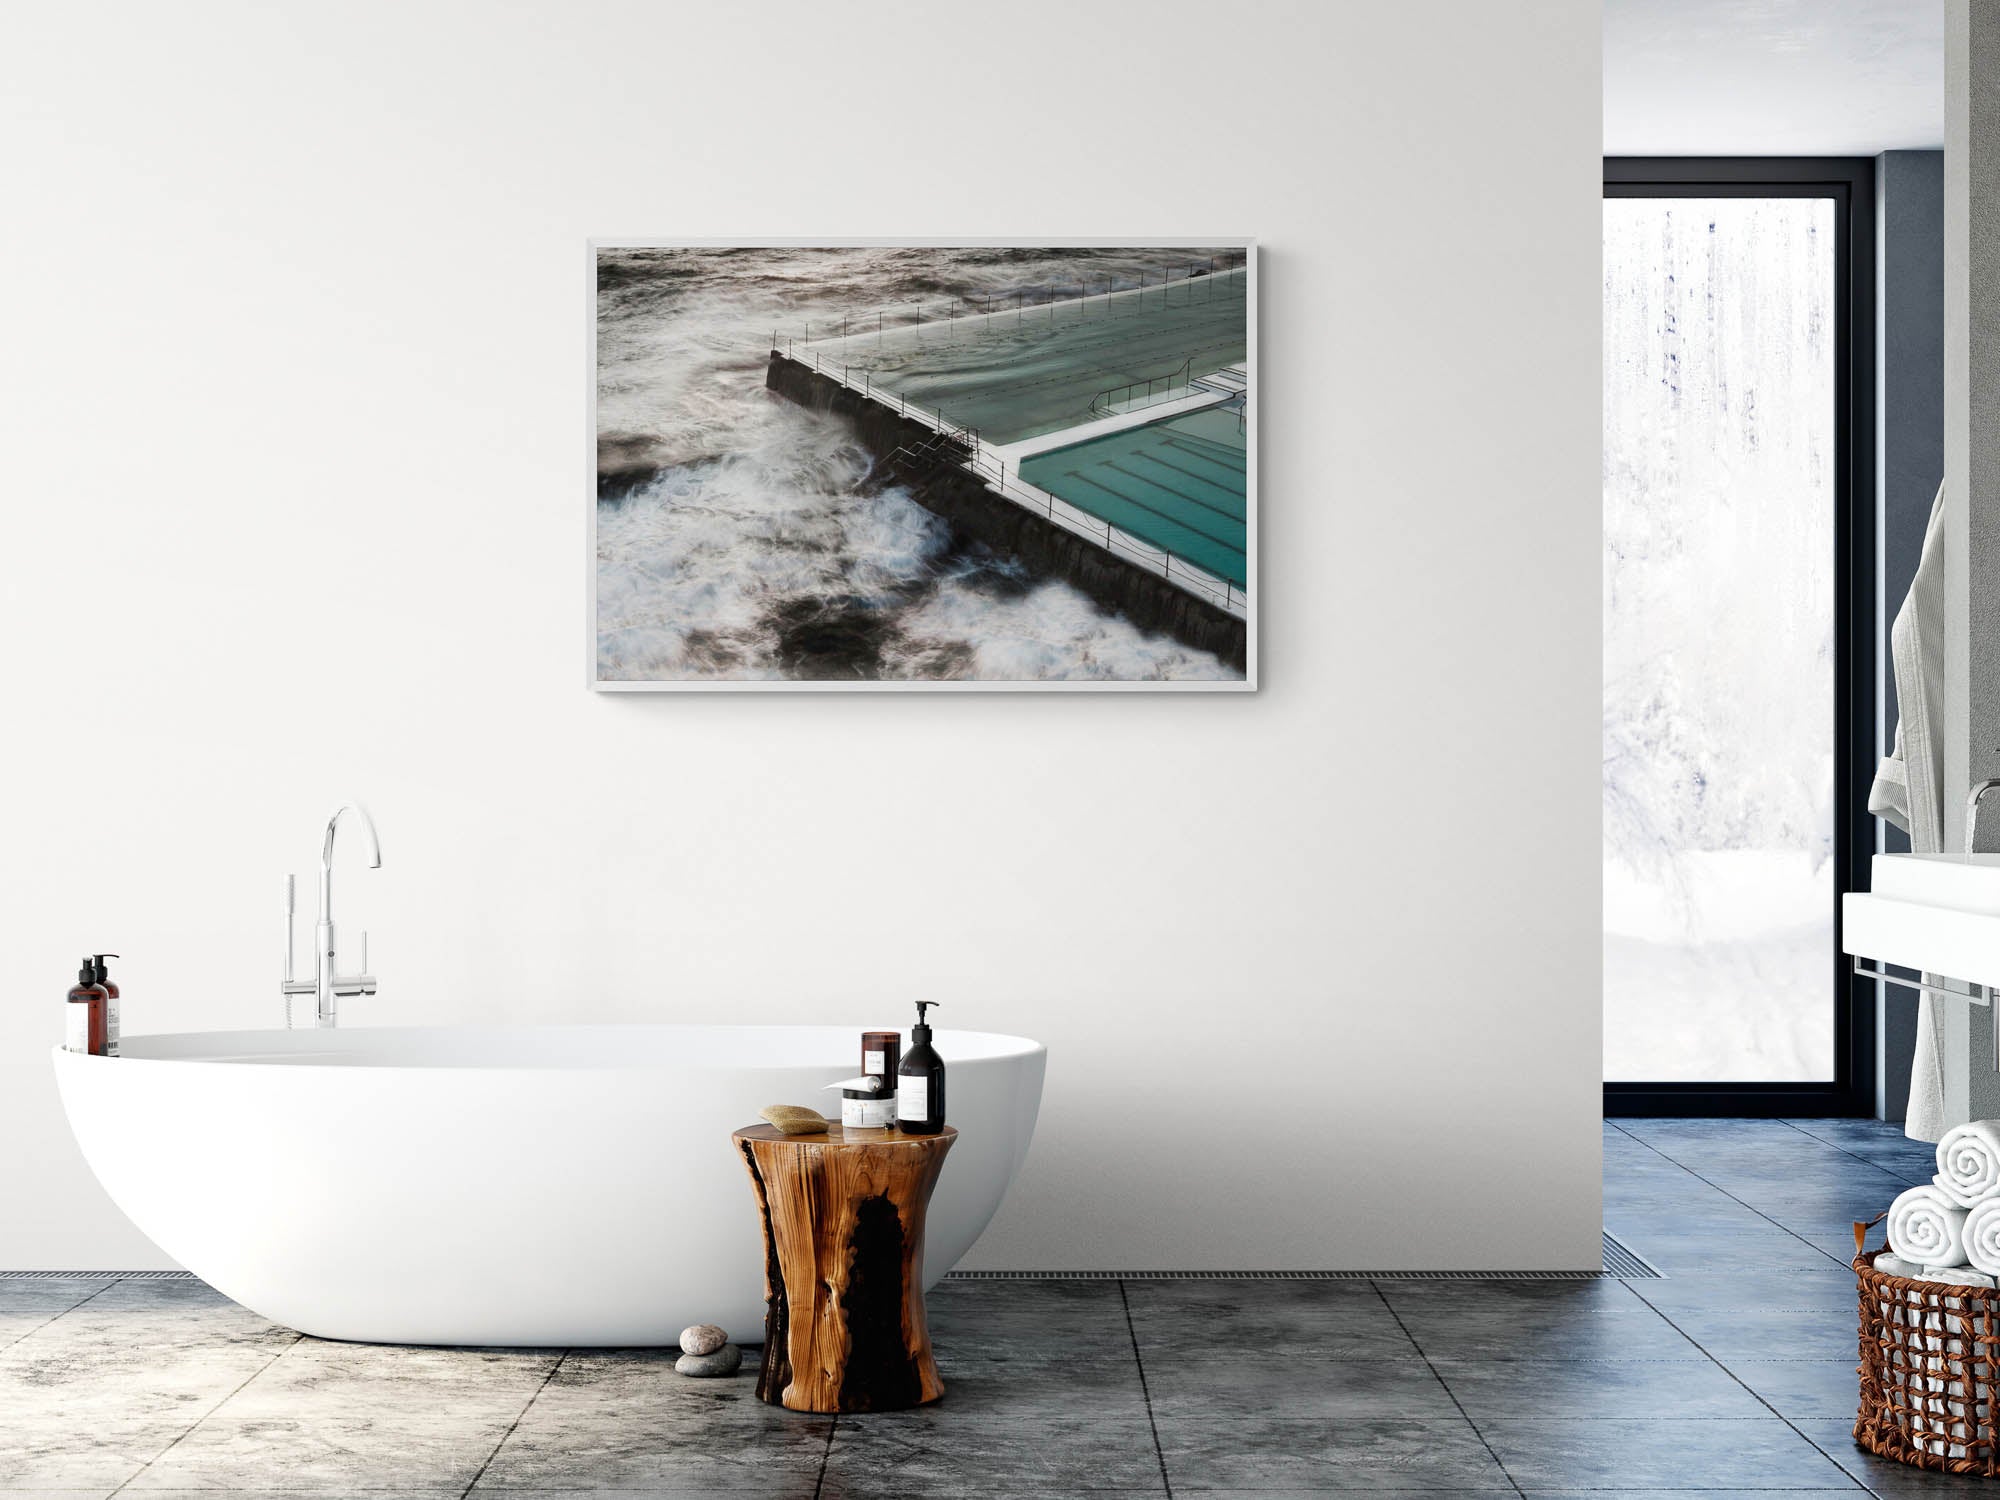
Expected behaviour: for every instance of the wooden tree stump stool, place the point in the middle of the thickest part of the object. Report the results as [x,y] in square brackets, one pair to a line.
[843,1215]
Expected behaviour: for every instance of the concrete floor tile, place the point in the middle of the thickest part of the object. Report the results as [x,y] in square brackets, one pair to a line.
[161,1312]
[72,1286]
[738,1447]
[1561,1453]
[1701,1250]
[603,1385]
[79,1454]
[1319,1389]
[1828,1289]
[1533,1320]
[1297,1319]
[937,1452]
[314,1377]
[29,1305]
[1596,1389]
[51,1377]
[987,1317]
[1353,1457]
[1728,1334]
[1804,1390]
[1076,1383]
[327,1454]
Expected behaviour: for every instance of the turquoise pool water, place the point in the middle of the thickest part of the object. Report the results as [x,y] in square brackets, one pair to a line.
[1180,485]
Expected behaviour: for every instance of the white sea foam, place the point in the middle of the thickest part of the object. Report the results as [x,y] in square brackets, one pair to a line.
[760,538]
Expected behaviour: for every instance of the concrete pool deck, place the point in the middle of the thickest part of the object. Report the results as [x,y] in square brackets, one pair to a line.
[1011,454]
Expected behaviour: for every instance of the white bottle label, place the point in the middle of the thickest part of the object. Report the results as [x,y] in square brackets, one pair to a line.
[111,1027]
[874,1062]
[913,1099]
[867,1114]
[76,1027]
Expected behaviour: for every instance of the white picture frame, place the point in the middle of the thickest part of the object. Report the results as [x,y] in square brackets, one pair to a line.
[1250,603]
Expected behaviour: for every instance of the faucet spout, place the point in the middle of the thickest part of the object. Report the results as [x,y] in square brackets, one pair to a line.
[367,829]
[329,984]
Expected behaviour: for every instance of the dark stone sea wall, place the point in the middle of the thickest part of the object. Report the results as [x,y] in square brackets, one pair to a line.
[944,489]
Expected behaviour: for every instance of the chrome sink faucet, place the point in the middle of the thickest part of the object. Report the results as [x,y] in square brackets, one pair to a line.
[327,985]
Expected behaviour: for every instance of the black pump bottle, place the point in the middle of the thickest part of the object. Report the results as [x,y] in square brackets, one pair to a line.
[920,1082]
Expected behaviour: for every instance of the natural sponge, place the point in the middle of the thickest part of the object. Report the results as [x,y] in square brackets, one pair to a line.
[794,1119]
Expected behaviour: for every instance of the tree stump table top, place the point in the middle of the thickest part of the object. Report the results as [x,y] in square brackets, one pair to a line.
[844,1327]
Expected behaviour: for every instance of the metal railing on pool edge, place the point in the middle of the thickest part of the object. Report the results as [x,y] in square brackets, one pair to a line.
[1178,571]
[1118,401]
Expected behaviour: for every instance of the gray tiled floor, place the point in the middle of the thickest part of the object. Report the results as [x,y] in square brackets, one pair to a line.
[1734,1375]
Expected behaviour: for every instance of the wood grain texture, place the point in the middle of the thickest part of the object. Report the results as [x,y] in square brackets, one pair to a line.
[844,1327]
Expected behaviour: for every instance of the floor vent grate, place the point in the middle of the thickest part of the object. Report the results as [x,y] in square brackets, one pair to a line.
[97,1275]
[1273,1275]
[1622,1260]
[1618,1261]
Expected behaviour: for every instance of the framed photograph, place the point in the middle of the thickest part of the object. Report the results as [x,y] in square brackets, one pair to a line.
[965,465]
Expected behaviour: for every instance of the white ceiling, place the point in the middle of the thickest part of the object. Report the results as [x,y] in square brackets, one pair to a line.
[1772,77]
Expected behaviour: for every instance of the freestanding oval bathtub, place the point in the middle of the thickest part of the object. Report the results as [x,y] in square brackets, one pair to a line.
[534,1185]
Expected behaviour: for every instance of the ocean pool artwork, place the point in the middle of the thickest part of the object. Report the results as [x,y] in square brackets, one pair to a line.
[960,466]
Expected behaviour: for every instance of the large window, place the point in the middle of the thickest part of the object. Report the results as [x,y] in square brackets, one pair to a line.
[1729,654]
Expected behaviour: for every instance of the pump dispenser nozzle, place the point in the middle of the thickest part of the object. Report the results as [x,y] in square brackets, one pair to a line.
[922,1031]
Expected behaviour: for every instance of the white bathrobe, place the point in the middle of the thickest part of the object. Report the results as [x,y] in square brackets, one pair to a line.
[1909,786]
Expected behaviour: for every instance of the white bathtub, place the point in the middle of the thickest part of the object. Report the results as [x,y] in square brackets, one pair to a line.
[557,1185]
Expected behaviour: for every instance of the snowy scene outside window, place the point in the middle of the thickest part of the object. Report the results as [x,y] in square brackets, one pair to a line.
[1719,462]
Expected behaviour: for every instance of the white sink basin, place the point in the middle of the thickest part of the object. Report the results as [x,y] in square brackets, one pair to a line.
[1936,912]
[1963,882]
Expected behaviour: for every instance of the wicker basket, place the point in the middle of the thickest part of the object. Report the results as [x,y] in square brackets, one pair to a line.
[1930,1355]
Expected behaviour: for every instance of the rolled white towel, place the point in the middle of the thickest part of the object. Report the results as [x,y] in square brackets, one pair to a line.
[1958,1275]
[1968,1161]
[1982,1236]
[1927,1227]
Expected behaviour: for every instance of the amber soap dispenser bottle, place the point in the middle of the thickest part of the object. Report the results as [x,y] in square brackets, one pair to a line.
[920,1088]
[83,1030]
[101,976]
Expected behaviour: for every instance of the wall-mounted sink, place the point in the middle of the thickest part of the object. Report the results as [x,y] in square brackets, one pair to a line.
[1939,913]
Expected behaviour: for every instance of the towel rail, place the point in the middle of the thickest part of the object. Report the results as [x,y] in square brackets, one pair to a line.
[1978,994]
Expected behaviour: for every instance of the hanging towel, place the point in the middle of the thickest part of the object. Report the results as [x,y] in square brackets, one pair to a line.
[1927,1227]
[1909,785]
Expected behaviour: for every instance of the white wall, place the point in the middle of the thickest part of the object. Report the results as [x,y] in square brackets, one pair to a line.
[1776,78]
[291,486]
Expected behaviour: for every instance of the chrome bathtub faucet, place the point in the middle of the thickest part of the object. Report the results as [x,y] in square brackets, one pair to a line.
[328,985]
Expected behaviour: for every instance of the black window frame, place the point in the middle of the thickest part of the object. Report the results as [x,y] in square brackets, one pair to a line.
[1850,183]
